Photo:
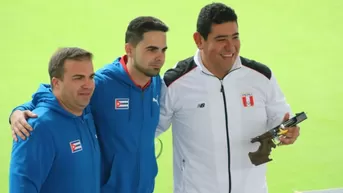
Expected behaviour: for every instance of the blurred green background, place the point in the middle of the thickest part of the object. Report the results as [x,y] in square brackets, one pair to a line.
[300,40]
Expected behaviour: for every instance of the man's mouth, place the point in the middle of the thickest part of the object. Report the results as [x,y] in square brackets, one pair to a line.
[156,66]
[85,93]
[227,55]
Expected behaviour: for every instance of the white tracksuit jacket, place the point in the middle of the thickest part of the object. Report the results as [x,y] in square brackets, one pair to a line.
[213,122]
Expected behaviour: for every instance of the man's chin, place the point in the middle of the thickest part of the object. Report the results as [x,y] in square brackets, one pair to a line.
[83,104]
[152,73]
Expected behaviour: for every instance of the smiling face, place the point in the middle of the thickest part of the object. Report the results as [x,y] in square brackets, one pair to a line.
[221,48]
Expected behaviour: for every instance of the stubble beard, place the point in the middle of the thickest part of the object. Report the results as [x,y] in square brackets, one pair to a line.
[147,72]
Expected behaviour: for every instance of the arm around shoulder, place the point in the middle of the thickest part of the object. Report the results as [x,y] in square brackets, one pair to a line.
[97,97]
[166,109]
[31,159]
[26,106]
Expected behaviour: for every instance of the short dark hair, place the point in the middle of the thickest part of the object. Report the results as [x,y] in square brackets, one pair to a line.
[214,13]
[140,25]
[56,64]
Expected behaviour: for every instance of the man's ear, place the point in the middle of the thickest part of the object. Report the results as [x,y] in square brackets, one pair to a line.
[128,49]
[55,83]
[199,40]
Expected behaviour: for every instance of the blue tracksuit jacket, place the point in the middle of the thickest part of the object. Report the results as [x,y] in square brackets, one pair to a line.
[126,118]
[61,155]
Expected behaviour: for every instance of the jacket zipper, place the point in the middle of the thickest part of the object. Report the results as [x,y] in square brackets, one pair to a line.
[92,135]
[227,133]
[140,137]
[226,124]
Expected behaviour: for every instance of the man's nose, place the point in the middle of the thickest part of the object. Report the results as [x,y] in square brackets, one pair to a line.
[229,46]
[160,56]
[89,83]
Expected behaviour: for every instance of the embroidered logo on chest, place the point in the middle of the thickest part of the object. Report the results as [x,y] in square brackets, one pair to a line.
[248,100]
[155,100]
[121,103]
[201,105]
[75,146]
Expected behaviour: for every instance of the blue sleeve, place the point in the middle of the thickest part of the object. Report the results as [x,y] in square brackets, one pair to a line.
[108,185]
[111,185]
[26,106]
[108,188]
[98,91]
[97,98]
[31,160]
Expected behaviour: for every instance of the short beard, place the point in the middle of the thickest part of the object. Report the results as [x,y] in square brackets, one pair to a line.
[148,73]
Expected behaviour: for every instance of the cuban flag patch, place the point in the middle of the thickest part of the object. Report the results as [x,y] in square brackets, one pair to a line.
[75,146]
[121,103]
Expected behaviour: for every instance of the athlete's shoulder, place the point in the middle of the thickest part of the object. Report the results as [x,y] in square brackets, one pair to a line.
[45,120]
[181,68]
[106,74]
[257,66]
[108,69]
[156,80]
[45,116]
[156,84]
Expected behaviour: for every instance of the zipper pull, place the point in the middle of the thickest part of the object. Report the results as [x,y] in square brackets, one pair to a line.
[183,164]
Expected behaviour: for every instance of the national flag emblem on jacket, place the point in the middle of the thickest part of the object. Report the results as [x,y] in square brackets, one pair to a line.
[122,103]
[75,146]
[248,100]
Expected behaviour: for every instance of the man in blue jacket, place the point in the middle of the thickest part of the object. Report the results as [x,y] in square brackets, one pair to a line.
[125,106]
[62,154]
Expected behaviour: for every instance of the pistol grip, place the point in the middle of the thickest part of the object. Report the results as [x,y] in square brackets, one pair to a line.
[261,156]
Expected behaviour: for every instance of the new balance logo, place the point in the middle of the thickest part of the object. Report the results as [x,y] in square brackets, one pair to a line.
[201,105]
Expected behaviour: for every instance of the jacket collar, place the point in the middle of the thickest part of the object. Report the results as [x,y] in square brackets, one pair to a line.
[198,62]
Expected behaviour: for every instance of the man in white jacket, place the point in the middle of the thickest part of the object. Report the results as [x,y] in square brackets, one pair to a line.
[216,101]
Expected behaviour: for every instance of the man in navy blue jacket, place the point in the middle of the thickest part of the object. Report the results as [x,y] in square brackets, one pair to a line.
[62,154]
[125,106]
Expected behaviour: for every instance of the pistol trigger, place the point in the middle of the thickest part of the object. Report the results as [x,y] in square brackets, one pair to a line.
[282,131]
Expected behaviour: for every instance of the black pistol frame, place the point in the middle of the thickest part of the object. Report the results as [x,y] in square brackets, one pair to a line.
[267,139]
